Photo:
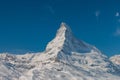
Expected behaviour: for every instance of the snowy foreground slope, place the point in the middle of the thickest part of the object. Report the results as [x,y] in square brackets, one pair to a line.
[65,58]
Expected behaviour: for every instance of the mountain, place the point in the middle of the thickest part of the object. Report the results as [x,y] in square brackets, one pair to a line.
[65,58]
[115,59]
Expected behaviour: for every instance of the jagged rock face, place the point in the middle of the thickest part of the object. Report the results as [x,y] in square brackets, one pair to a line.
[65,58]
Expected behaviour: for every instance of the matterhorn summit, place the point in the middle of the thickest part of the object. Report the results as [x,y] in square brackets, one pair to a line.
[65,58]
[66,41]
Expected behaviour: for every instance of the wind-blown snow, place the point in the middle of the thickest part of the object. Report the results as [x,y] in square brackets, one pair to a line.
[65,58]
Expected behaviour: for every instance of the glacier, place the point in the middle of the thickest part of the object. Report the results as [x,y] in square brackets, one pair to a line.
[65,58]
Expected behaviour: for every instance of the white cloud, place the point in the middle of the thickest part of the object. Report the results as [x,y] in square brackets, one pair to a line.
[117,32]
[117,14]
[97,13]
[50,8]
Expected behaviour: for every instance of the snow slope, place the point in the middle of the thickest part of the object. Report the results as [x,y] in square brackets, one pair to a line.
[116,59]
[65,58]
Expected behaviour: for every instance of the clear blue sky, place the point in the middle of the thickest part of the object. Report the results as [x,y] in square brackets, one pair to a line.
[28,25]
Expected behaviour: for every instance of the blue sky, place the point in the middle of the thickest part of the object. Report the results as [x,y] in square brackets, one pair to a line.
[28,25]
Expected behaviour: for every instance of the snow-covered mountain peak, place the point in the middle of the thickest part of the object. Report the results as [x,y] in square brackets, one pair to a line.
[65,43]
[64,31]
